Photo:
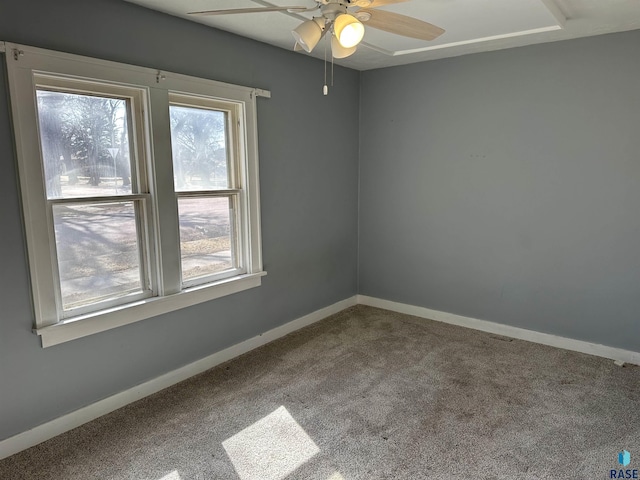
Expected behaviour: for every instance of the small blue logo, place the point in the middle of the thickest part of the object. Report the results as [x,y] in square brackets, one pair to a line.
[624,458]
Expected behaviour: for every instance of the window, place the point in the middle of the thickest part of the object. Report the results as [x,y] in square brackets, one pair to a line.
[207,186]
[96,194]
[139,188]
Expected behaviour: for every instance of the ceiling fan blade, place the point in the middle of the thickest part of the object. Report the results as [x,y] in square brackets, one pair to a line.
[382,3]
[402,25]
[251,10]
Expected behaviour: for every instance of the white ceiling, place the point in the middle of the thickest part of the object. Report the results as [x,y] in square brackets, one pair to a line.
[471,25]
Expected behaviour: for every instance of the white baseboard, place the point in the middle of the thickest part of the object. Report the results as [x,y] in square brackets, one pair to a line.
[48,430]
[598,350]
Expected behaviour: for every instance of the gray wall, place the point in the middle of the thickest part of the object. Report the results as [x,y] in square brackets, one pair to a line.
[308,194]
[506,186]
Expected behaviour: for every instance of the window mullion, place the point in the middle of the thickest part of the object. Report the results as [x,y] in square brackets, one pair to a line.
[162,188]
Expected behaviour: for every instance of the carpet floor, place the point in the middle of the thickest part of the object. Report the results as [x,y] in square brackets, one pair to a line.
[366,394]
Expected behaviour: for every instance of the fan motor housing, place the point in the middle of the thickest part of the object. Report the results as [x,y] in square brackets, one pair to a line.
[332,10]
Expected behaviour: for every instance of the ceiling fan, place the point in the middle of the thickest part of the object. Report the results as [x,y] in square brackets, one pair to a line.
[344,19]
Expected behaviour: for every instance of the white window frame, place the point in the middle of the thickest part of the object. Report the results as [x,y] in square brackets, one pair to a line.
[235,148]
[155,89]
[140,196]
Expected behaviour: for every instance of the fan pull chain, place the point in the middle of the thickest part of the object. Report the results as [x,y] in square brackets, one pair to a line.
[325,89]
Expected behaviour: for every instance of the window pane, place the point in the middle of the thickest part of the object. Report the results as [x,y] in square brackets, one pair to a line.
[199,143]
[98,252]
[205,236]
[85,145]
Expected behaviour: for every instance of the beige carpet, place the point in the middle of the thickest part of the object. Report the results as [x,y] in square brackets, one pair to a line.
[366,394]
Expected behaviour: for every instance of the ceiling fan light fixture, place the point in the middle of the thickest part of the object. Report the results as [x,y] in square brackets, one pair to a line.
[338,51]
[308,34]
[348,30]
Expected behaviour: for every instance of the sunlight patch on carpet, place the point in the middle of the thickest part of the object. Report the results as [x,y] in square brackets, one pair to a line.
[171,476]
[270,449]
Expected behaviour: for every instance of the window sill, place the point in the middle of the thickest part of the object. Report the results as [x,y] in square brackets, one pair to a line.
[84,325]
